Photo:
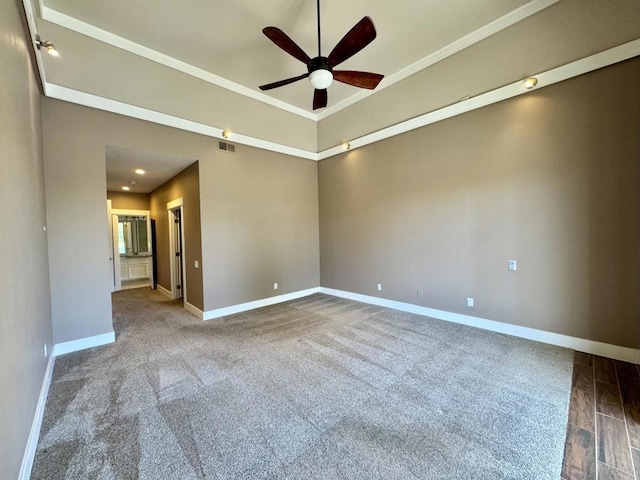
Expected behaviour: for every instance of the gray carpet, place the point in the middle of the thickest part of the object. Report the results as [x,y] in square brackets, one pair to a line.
[316,388]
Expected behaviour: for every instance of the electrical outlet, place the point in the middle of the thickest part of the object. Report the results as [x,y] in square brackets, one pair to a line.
[379,286]
[275,286]
[513,265]
[469,301]
[420,293]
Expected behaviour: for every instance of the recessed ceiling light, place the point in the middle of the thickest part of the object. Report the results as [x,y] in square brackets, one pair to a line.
[530,82]
[126,188]
[139,171]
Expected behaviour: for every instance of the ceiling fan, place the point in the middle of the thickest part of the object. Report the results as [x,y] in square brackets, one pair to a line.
[320,69]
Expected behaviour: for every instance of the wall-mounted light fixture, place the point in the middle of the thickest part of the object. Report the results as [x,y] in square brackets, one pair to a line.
[226,133]
[530,82]
[51,48]
[346,145]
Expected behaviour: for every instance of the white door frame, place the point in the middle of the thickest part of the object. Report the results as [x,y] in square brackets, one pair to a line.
[177,204]
[111,250]
[117,283]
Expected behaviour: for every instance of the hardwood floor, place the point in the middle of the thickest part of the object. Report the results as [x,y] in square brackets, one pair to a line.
[603,435]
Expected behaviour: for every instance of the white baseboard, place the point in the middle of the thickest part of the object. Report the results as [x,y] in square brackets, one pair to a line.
[589,346]
[34,434]
[132,285]
[164,291]
[194,310]
[82,343]
[243,307]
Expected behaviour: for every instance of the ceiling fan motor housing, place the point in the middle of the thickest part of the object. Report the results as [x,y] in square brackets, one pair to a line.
[318,63]
[320,76]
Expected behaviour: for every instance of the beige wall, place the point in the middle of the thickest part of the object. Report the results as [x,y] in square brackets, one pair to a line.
[259,214]
[143,83]
[259,226]
[185,185]
[561,33]
[25,326]
[549,179]
[129,201]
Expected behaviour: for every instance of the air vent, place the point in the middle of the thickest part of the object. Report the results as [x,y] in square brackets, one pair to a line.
[226,147]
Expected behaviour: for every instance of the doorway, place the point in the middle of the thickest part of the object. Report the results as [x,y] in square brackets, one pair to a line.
[175,214]
[132,252]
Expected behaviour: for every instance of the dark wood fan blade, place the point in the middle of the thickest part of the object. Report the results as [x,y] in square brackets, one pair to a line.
[358,79]
[361,35]
[319,99]
[281,83]
[281,39]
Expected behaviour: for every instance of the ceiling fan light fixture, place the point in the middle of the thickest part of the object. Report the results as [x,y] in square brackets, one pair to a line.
[320,79]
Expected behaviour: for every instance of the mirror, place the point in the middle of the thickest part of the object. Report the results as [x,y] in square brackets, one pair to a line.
[133,238]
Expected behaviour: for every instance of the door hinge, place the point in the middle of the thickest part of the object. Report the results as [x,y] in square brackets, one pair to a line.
[177,254]
[176,220]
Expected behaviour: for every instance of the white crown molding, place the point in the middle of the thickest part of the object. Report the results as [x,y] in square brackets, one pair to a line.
[71,23]
[33,30]
[565,72]
[583,345]
[474,37]
[570,70]
[101,103]
[84,28]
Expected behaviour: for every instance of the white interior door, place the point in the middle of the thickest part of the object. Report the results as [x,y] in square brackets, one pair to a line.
[115,252]
[175,217]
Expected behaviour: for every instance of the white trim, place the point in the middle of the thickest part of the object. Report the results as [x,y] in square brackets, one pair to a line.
[164,291]
[565,72]
[194,310]
[178,202]
[570,70]
[172,206]
[243,307]
[114,106]
[84,343]
[131,213]
[33,30]
[109,38]
[34,433]
[122,43]
[589,346]
[476,36]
